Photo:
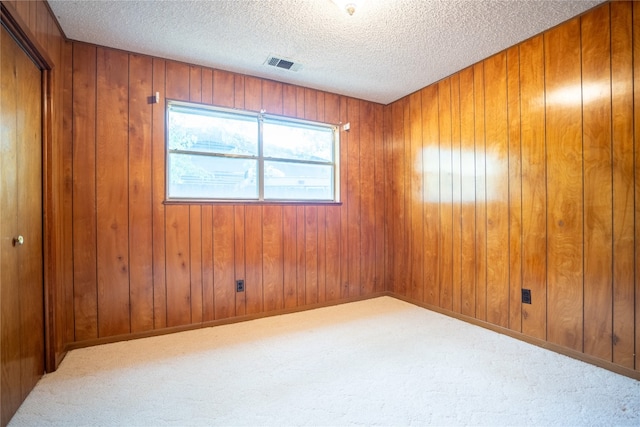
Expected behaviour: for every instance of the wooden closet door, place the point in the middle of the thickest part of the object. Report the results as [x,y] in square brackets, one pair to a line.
[21,260]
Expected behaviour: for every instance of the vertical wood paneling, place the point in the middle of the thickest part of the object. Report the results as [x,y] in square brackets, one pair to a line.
[344,197]
[207,86]
[252,94]
[445,256]
[85,294]
[468,194]
[195,84]
[289,256]
[322,254]
[140,194]
[597,178]
[273,261]
[301,262]
[333,236]
[178,234]
[636,141]
[379,207]
[367,200]
[353,200]
[272,97]
[223,262]
[416,285]
[311,254]
[481,200]
[406,279]
[515,190]
[64,304]
[195,219]
[456,172]
[623,177]
[195,258]
[223,88]
[534,190]
[396,151]
[208,302]
[322,219]
[253,254]
[158,213]
[178,265]
[431,193]
[240,258]
[497,189]
[564,185]
[112,192]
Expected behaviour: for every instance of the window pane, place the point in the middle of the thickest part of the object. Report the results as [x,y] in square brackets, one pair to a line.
[208,131]
[208,177]
[293,181]
[291,140]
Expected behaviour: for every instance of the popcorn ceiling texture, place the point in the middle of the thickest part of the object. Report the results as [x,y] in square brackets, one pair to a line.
[376,362]
[385,51]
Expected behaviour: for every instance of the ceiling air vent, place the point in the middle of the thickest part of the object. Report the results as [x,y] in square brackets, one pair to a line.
[283,63]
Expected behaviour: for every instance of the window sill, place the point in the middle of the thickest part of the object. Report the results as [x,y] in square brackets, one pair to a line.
[251,202]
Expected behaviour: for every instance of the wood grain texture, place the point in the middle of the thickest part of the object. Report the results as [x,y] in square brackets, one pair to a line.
[301,262]
[534,190]
[416,278]
[481,190]
[240,258]
[289,257]
[445,256]
[598,186]
[223,262]
[344,197]
[195,258]
[468,194]
[380,201]
[254,262]
[178,265]
[112,191]
[140,194]
[208,301]
[456,192]
[158,210]
[431,194]
[367,200]
[85,290]
[515,190]
[273,260]
[353,198]
[311,254]
[177,222]
[623,178]
[564,185]
[497,188]
[636,127]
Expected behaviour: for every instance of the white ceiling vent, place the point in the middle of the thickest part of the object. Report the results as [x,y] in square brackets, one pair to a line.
[285,64]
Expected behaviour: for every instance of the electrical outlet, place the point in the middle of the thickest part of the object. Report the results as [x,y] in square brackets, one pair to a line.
[239,285]
[526,296]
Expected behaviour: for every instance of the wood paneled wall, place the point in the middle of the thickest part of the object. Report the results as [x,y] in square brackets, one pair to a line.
[41,27]
[139,264]
[519,172]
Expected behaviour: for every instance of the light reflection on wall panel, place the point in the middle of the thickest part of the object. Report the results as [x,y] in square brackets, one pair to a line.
[438,164]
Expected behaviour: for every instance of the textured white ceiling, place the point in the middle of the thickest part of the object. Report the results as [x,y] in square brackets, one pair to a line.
[386,50]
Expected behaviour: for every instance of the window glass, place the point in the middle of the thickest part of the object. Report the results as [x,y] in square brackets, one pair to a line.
[296,141]
[222,154]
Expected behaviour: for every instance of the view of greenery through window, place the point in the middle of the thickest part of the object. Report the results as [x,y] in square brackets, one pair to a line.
[215,154]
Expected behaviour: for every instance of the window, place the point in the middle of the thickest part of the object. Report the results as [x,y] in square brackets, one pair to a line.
[232,155]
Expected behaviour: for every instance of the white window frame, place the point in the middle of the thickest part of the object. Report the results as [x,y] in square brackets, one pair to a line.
[260,117]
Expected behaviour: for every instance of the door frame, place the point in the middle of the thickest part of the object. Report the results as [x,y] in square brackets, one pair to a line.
[29,43]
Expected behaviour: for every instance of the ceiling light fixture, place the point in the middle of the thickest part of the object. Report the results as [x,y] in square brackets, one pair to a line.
[349,6]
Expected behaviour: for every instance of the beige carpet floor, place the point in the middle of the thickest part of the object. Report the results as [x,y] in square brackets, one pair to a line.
[375,362]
